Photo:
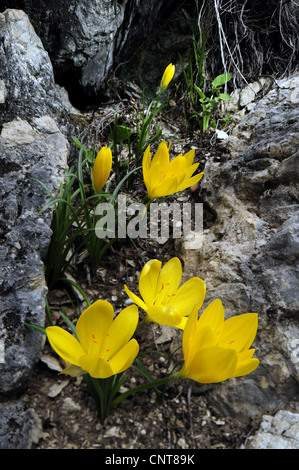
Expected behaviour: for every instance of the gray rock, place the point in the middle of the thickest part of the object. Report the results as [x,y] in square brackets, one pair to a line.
[20,426]
[84,39]
[31,146]
[276,432]
[36,150]
[27,86]
[249,255]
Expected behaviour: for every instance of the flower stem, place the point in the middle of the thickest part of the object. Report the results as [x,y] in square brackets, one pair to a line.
[139,388]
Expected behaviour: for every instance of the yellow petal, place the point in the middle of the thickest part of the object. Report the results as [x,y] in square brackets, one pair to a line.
[202,338]
[190,157]
[125,357]
[148,281]
[169,280]
[212,365]
[65,344]
[161,157]
[213,316]
[191,293]
[190,182]
[96,367]
[165,188]
[135,299]
[182,324]
[167,76]
[239,331]
[177,168]
[146,165]
[93,324]
[246,364]
[120,332]
[190,170]
[164,316]
[102,168]
[188,334]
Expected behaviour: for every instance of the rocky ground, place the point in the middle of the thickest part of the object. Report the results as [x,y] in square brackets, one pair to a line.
[67,416]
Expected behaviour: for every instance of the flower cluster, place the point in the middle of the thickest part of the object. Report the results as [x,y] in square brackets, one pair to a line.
[214,349]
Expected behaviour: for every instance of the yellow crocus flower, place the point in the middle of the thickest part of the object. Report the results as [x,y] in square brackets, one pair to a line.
[101,168]
[163,177]
[216,349]
[162,299]
[103,347]
[167,76]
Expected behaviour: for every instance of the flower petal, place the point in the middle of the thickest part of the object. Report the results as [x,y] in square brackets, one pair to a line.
[93,324]
[135,299]
[120,332]
[96,366]
[167,76]
[191,293]
[164,315]
[239,331]
[188,334]
[246,364]
[148,281]
[161,156]
[212,365]
[125,357]
[65,344]
[190,182]
[213,316]
[190,157]
[165,188]
[169,280]
[102,168]
[146,164]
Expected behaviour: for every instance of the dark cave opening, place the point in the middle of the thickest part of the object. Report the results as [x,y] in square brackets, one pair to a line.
[79,97]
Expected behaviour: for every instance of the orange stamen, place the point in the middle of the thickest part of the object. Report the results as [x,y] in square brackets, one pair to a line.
[93,338]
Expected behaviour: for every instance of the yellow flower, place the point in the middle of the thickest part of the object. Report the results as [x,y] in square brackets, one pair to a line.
[216,350]
[167,76]
[101,168]
[163,300]
[163,177]
[103,347]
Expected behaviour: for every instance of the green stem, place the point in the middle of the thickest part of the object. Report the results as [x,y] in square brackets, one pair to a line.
[139,388]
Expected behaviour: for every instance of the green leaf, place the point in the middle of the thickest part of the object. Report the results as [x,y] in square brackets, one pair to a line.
[221,79]
[224,96]
[120,134]
[36,327]
[200,92]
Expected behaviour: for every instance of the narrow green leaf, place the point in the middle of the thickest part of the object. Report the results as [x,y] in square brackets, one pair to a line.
[36,327]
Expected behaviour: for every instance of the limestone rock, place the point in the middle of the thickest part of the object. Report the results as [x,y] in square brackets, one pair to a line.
[249,255]
[277,432]
[86,39]
[20,426]
[28,150]
[31,146]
